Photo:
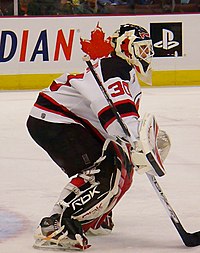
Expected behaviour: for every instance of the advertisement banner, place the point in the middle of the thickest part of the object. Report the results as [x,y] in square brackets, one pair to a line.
[167,39]
[42,46]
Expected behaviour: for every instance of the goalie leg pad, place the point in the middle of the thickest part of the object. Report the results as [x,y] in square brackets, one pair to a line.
[94,193]
[101,226]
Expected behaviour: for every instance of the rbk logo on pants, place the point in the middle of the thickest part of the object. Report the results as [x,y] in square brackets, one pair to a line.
[167,39]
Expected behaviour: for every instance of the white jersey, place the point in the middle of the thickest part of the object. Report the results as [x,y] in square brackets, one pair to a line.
[78,99]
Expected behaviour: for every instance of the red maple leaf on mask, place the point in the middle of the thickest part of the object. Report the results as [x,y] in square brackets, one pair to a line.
[98,46]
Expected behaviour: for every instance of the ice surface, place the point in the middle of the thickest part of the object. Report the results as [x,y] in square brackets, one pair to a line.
[31,182]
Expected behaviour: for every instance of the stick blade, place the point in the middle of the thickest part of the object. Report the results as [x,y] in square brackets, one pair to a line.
[189,239]
[192,239]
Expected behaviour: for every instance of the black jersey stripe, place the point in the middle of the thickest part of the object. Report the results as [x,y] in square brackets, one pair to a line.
[125,108]
[51,105]
[47,103]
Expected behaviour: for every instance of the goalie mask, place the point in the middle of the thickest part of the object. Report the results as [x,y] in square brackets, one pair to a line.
[133,44]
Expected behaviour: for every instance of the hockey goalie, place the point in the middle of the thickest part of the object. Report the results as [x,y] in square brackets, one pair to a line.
[73,122]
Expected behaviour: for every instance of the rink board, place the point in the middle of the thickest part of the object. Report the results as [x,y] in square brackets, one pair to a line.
[39,81]
[35,50]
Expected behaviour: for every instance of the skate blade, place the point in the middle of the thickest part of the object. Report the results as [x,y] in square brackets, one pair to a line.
[76,247]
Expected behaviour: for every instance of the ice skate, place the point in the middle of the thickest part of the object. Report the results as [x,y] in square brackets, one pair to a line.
[52,236]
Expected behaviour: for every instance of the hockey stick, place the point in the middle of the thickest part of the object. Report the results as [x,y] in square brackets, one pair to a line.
[189,239]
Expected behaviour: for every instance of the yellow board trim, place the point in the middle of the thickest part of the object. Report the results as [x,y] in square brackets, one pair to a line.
[176,78]
[40,81]
[26,81]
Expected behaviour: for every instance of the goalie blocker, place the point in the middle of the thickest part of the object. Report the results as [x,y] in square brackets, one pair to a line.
[152,148]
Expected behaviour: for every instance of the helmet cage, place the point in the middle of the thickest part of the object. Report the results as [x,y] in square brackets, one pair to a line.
[143,50]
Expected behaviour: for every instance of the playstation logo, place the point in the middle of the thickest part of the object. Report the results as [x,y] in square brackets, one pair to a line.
[166,38]
[167,41]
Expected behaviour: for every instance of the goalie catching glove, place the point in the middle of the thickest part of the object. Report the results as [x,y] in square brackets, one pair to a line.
[151,149]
